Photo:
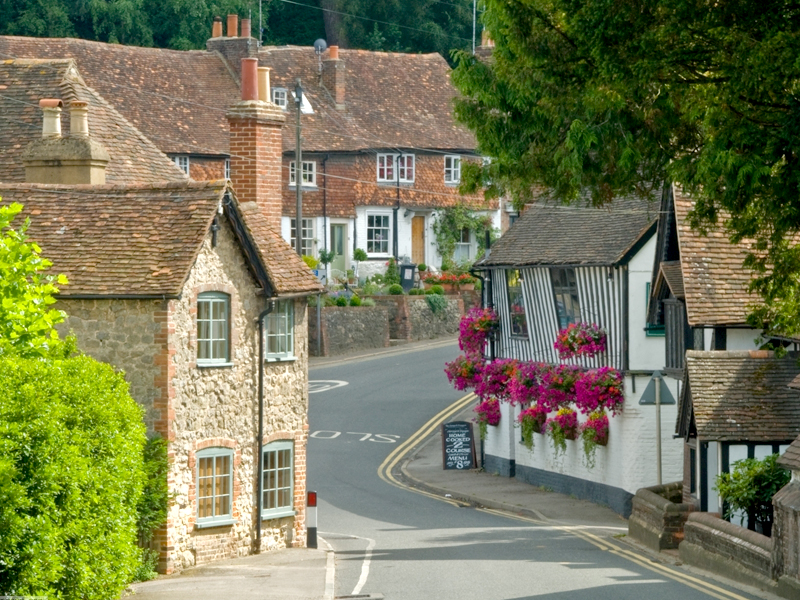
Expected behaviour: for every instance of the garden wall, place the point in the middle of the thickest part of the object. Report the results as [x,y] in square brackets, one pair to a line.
[411,319]
[658,516]
[786,540]
[348,329]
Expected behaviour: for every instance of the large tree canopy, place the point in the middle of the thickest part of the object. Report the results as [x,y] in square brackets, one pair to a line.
[616,96]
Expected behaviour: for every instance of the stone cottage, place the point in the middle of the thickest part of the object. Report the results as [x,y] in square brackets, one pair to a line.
[172,281]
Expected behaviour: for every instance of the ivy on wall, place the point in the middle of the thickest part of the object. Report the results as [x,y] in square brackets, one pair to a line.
[447,230]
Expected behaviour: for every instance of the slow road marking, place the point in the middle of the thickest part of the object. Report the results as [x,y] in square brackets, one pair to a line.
[324,385]
[381,438]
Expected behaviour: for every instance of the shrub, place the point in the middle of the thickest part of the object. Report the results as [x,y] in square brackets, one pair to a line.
[329,300]
[422,267]
[392,272]
[341,301]
[437,289]
[359,254]
[436,303]
[429,292]
[355,301]
[370,288]
[153,505]
[310,261]
[749,487]
[395,289]
[71,442]
[415,292]
[368,302]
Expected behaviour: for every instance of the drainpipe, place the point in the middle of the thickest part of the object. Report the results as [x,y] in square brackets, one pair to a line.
[325,201]
[260,439]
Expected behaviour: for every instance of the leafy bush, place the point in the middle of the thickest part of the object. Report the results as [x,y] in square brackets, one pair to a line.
[395,289]
[153,505]
[437,289]
[370,288]
[392,274]
[368,302]
[310,261]
[326,256]
[422,267]
[355,301]
[749,487]
[415,292]
[359,254]
[341,301]
[436,303]
[71,475]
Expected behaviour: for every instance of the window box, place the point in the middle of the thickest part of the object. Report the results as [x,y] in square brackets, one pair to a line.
[278,480]
[214,487]
[213,329]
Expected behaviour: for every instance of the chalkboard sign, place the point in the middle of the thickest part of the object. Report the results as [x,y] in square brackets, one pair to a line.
[458,445]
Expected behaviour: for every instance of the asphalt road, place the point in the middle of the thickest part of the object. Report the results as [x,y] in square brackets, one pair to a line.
[401,545]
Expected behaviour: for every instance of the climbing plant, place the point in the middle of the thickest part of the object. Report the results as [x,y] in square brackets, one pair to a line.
[447,230]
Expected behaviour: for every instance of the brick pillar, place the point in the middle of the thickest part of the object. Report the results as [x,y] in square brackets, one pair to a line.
[256,153]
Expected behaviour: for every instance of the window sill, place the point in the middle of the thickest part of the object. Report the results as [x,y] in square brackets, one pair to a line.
[289,512]
[519,336]
[305,188]
[279,359]
[210,524]
[208,365]
[452,184]
[392,183]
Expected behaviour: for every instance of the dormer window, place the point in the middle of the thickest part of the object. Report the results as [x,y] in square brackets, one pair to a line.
[452,170]
[279,97]
[182,161]
[396,168]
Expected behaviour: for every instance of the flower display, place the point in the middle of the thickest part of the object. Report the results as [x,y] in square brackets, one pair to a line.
[580,339]
[600,389]
[449,279]
[563,427]
[474,328]
[594,433]
[558,386]
[464,371]
[532,420]
[494,377]
[487,413]
[526,385]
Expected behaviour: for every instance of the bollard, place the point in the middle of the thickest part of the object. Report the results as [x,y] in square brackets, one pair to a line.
[311,520]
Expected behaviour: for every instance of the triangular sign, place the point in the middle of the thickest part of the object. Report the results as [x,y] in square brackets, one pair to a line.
[649,394]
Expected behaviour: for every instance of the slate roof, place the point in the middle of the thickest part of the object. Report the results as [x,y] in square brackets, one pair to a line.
[134,158]
[548,234]
[714,279]
[742,396]
[791,458]
[392,100]
[177,98]
[142,240]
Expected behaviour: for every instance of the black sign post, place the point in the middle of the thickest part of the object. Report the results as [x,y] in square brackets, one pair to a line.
[458,446]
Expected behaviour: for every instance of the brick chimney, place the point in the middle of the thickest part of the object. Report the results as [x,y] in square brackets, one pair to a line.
[232,47]
[333,75]
[65,160]
[256,146]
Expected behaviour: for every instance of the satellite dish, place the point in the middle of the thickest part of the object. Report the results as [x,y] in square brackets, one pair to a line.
[320,45]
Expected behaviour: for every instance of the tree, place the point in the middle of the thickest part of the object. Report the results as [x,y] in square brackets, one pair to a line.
[603,97]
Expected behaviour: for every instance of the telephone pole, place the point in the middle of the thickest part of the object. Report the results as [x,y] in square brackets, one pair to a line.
[298,171]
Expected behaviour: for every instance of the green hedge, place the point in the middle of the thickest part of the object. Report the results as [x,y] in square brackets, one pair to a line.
[71,441]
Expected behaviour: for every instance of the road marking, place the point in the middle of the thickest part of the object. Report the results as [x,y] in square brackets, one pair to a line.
[325,385]
[362,580]
[320,364]
[316,434]
[330,570]
[378,438]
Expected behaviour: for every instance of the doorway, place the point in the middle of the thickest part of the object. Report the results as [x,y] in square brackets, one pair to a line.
[338,246]
[418,240]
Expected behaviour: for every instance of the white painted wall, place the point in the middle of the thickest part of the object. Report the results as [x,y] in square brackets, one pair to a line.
[644,352]
[742,339]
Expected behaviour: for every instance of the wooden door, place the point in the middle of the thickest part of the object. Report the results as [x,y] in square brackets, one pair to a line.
[418,240]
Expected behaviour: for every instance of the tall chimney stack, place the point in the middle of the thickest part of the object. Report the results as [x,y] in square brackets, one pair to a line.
[79,119]
[216,28]
[257,147]
[51,118]
[333,76]
[233,25]
[263,84]
[245,28]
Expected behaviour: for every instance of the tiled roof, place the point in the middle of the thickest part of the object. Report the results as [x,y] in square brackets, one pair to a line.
[177,98]
[714,279]
[142,240]
[392,100]
[671,272]
[743,396]
[791,458]
[134,158]
[547,234]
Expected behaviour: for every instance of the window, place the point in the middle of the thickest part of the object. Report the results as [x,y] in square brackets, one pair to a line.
[227,168]
[305,105]
[307,240]
[463,246]
[279,97]
[183,163]
[565,290]
[214,487]
[213,328]
[452,169]
[396,167]
[279,331]
[651,330]
[516,303]
[278,480]
[309,173]
[378,234]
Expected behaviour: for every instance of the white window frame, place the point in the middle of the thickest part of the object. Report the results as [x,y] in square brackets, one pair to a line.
[463,250]
[227,168]
[182,160]
[388,228]
[212,454]
[212,337]
[270,491]
[308,239]
[309,174]
[452,169]
[280,97]
[387,163]
[279,332]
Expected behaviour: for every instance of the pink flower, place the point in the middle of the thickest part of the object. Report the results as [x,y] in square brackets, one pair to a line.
[475,328]
[464,371]
[580,339]
[600,389]
[488,412]
[494,377]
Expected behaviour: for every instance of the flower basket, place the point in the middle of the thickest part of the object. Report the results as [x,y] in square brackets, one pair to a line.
[475,328]
[532,420]
[600,389]
[494,377]
[594,433]
[487,413]
[558,386]
[526,385]
[563,427]
[464,371]
[580,339]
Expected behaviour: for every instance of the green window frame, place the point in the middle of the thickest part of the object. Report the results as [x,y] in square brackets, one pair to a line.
[651,330]
[213,329]
[214,487]
[279,331]
[278,480]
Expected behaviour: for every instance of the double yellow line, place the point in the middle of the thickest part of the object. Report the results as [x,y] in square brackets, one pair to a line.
[388,465]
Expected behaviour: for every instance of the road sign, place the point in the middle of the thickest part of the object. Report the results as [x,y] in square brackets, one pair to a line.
[649,394]
[458,445]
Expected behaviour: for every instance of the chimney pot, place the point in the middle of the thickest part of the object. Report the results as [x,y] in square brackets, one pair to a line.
[51,117]
[249,79]
[245,28]
[78,119]
[263,84]
[216,28]
[233,25]
[334,52]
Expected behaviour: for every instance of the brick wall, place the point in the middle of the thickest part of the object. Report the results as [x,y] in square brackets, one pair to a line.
[658,517]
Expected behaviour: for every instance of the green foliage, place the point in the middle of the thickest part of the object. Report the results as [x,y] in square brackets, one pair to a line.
[447,230]
[71,475]
[422,267]
[368,302]
[355,300]
[326,256]
[310,261]
[598,98]
[750,486]
[359,254]
[416,292]
[153,505]
[392,274]
[27,323]
[395,289]
[370,288]
[437,303]
[341,301]
[436,289]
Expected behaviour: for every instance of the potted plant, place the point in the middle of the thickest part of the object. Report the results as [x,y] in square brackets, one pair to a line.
[563,427]
[600,389]
[594,433]
[580,339]
[532,420]
[558,385]
[494,378]
[358,255]
[475,328]
[487,413]
[464,371]
[526,385]
[326,258]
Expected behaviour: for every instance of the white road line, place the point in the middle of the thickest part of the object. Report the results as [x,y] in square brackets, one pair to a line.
[364,568]
[330,571]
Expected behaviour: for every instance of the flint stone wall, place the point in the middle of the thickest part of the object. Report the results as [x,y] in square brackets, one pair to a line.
[411,319]
[348,329]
